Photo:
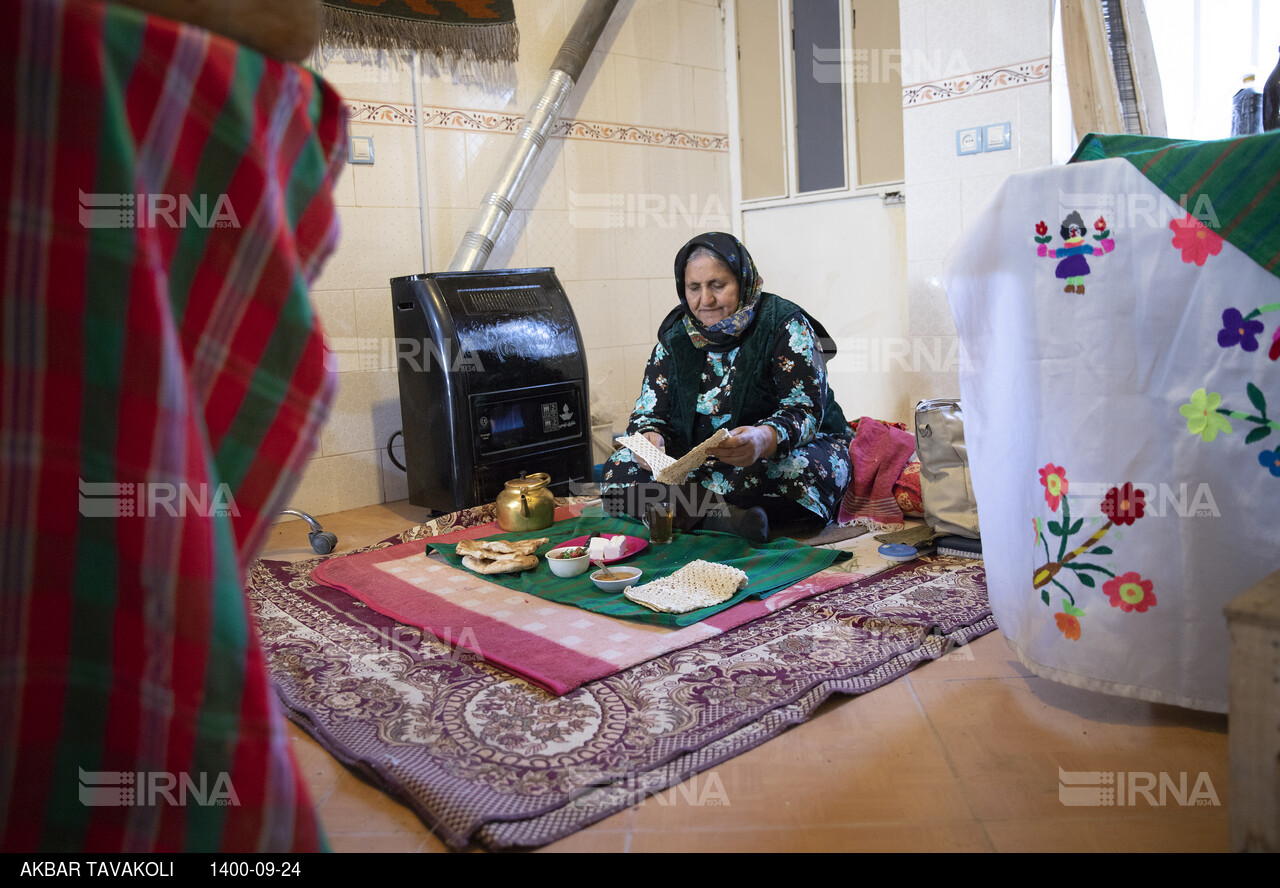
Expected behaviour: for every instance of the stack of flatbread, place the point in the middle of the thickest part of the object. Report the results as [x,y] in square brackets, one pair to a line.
[499,556]
[697,585]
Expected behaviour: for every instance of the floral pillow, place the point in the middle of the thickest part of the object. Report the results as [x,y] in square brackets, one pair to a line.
[907,491]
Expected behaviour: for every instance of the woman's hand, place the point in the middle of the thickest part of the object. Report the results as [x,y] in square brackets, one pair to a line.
[657,441]
[745,445]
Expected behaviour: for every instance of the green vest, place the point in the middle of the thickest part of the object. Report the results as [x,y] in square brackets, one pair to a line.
[754,397]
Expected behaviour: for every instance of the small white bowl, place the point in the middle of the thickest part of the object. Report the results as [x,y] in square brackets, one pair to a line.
[626,576]
[568,567]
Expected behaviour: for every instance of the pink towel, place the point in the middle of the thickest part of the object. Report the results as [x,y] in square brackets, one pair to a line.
[879,453]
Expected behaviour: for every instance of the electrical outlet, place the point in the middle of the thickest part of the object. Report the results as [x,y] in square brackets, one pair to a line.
[360,149]
[997,137]
[969,141]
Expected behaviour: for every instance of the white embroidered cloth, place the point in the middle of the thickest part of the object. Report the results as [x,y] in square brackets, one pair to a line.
[1115,434]
[666,469]
[697,585]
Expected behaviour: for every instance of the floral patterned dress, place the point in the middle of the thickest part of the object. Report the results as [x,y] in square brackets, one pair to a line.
[809,468]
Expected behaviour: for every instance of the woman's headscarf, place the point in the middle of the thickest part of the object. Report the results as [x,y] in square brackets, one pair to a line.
[734,255]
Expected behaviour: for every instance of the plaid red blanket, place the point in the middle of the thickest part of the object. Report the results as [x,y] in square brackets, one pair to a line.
[168,202]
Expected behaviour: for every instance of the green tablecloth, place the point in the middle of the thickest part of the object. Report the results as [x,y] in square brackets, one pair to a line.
[769,568]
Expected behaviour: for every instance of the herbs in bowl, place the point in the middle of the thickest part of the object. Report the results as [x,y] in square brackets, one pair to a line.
[568,561]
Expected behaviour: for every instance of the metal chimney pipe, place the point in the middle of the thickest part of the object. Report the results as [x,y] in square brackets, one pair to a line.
[495,209]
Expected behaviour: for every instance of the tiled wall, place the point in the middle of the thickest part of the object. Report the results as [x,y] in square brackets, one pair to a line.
[965,63]
[639,165]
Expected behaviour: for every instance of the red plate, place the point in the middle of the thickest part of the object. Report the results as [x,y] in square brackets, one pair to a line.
[630,546]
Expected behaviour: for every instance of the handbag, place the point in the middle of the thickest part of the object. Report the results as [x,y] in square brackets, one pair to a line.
[946,489]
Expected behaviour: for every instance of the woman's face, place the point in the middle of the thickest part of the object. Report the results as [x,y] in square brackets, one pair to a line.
[710,289]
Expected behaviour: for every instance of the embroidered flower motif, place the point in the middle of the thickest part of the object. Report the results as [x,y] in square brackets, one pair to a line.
[1274,353]
[1068,626]
[1202,415]
[1041,228]
[1196,241]
[1054,479]
[1270,460]
[1130,593]
[1239,330]
[1124,504]
[1101,224]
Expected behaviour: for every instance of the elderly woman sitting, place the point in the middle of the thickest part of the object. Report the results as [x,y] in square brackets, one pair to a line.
[732,356]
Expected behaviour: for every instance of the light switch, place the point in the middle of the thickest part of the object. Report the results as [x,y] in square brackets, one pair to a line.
[969,141]
[360,149]
[997,137]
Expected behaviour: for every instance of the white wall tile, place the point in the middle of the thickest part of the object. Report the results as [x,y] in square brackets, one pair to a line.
[594,96]
[634,359]
[395,482]
[611,395]
[664,30]
[934,219]
[337,483]
[628,30]
[710,102]
[605,168]
[701,38]
[338,319]
[388,82]
[611,313]
[577,251]
[446,169]
[365,413]
[375,328]
[973,35]
[546,21]
[649,246]
[391,180]
[655,93]
[344,190]
[376,244]
[662,298]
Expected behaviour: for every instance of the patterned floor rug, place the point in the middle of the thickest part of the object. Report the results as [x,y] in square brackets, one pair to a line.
[486,758]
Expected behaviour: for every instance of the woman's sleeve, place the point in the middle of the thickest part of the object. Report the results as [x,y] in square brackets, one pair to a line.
[653,405]
[800,379]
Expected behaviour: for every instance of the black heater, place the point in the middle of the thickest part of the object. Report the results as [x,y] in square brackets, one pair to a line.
[493,384]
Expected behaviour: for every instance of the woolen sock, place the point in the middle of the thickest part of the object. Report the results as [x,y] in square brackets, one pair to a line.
[751,524]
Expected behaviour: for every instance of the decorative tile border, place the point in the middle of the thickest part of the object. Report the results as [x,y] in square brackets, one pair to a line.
[499,122]
[991,80]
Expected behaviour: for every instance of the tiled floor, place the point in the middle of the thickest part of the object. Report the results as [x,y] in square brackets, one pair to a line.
[963,754]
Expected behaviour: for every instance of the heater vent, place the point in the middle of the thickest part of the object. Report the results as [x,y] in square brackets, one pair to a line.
[507,299]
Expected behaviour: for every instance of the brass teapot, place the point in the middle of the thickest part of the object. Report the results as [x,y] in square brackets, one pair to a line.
[527,503]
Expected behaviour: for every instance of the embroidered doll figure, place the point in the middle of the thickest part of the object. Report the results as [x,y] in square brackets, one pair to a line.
[1073,266]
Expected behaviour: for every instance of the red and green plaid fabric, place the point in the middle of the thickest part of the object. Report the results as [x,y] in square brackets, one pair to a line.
[162,381]
[1231,185]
